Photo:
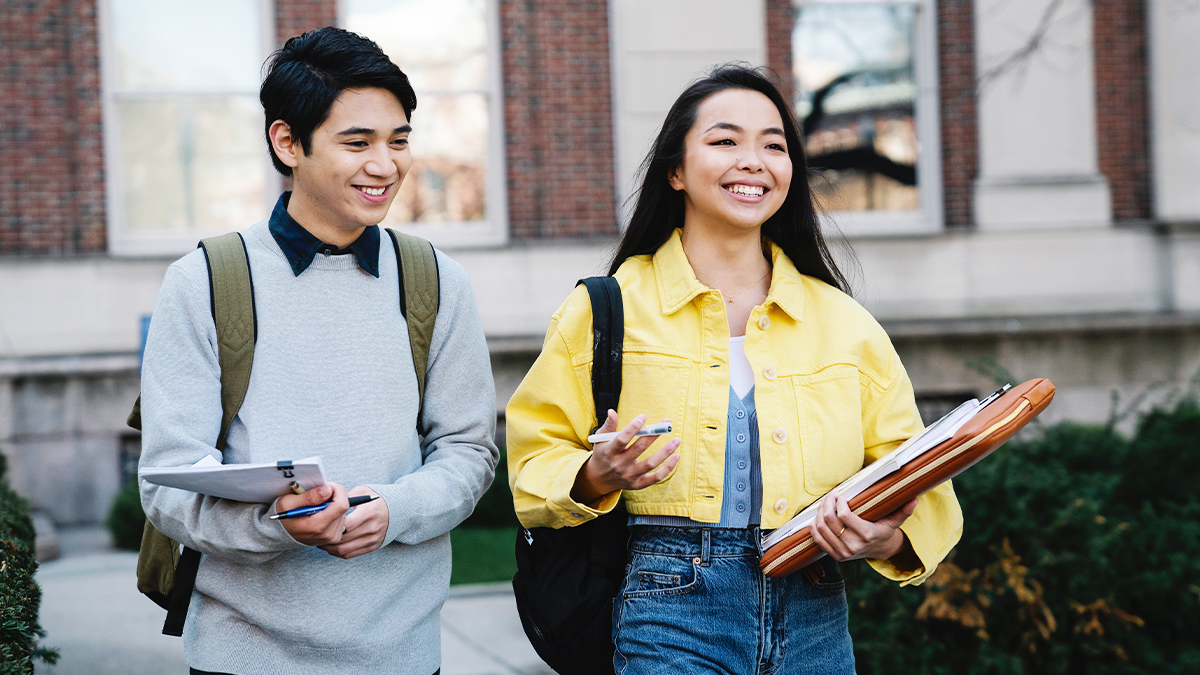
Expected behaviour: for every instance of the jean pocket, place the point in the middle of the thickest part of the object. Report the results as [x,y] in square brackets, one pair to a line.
[824,575]
[656,575]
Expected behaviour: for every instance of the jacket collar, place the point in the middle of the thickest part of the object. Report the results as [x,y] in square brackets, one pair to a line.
[678,285]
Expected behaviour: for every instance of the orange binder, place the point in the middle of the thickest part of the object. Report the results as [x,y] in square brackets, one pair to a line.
[976,439]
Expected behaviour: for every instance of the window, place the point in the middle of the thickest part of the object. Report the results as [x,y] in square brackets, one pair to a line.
[866,95]
[183,126]
[454,194]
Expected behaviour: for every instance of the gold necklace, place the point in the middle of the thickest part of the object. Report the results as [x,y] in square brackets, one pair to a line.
[732,297]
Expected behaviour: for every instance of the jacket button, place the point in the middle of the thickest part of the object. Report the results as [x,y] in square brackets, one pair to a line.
[781,506]
[764,322]
[780,436]
[769,372]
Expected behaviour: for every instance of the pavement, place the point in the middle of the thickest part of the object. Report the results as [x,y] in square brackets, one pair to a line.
[93,614]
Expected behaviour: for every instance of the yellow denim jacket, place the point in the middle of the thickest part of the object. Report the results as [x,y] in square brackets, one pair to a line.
[830,392]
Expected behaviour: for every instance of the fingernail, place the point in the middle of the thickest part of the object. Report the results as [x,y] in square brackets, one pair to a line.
[324,491]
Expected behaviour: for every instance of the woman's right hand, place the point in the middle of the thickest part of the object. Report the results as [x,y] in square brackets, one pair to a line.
[614,465]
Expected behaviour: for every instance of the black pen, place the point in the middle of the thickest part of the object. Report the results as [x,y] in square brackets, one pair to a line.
[317,508]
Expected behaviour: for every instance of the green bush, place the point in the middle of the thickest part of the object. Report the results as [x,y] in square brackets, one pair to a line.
[495,508]
[126,519]
[1080,554]
[19,594]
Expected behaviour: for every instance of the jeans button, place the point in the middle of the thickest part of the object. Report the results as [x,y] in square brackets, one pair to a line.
[741,487]
[741,508]
[741,438]
[741,464]
[740,414]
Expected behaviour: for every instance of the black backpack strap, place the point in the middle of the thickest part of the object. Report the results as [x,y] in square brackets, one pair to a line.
[181,592]
[608,339]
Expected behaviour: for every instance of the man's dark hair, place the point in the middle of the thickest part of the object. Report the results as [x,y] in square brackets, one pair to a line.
[312,70]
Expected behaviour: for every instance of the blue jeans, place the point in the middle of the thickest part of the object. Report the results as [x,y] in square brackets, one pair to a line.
[694,601]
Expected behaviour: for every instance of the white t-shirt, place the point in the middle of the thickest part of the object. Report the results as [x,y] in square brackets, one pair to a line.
[741,377]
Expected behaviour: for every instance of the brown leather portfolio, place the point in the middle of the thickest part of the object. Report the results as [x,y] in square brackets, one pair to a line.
[983,433]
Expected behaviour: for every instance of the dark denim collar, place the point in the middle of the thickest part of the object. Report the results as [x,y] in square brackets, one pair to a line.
[300,246]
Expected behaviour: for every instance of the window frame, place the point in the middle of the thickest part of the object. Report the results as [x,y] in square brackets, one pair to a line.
[122,240]
[493,231]
[929,217]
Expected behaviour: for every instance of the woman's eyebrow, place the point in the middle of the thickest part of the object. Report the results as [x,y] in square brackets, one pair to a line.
[736,129]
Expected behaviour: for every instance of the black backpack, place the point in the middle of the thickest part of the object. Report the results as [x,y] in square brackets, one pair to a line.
[567,578]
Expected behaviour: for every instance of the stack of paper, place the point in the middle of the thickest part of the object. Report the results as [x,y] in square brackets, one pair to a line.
[255,483]
[933,435]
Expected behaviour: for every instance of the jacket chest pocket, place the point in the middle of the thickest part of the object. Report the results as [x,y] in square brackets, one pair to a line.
[658,387]
[830,412]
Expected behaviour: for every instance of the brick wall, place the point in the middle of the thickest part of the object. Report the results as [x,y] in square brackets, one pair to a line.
[780,20]
[558,118]
[956,81]
[1119,39]
[51,137]
[296,17]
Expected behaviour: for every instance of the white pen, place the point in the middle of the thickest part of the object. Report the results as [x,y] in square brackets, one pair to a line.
[649,430]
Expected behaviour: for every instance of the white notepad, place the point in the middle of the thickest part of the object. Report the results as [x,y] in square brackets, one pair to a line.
[255,483]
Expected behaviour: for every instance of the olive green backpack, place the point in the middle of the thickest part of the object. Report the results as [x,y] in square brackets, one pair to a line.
[165,573]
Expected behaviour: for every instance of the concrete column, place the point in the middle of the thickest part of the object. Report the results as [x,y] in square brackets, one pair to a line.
[1175,107]
[651,66]
[1037,117]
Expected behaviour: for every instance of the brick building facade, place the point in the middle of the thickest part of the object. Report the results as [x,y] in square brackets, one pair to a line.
[1024,266]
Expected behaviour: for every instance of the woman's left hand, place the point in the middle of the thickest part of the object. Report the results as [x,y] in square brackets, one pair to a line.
[845,536]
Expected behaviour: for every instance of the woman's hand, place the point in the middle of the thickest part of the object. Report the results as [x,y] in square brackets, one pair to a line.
[845,536]
[614,465]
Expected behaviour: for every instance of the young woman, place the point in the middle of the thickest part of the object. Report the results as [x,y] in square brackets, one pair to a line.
[739,330]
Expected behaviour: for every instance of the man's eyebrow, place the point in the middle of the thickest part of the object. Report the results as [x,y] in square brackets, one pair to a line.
[363,131]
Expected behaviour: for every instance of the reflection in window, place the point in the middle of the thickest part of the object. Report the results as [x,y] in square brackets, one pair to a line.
[447,63]
[184,85]
[856,93]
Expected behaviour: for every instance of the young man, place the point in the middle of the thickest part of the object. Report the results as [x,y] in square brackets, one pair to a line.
[338,591]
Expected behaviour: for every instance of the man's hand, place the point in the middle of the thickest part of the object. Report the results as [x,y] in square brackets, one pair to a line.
[845,536]
[614,465]
[365,527]
[319,529]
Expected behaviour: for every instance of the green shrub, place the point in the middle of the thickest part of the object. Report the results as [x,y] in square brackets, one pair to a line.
[19,594]
[126,519]
[1080,554]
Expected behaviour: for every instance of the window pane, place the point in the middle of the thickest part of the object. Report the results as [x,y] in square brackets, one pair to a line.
[192,162]
[215,45]
[447,181]
[439,44]
[856,93]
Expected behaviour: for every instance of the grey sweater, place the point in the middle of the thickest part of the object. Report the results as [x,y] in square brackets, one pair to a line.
[333,376]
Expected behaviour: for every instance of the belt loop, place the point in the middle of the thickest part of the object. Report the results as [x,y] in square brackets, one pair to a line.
[705,545]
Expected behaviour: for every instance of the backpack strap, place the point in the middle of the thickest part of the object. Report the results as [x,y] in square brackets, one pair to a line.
[419,298]
[231,295]
[608,338]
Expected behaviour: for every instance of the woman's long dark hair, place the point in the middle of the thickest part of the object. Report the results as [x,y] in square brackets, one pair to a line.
[659,209]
